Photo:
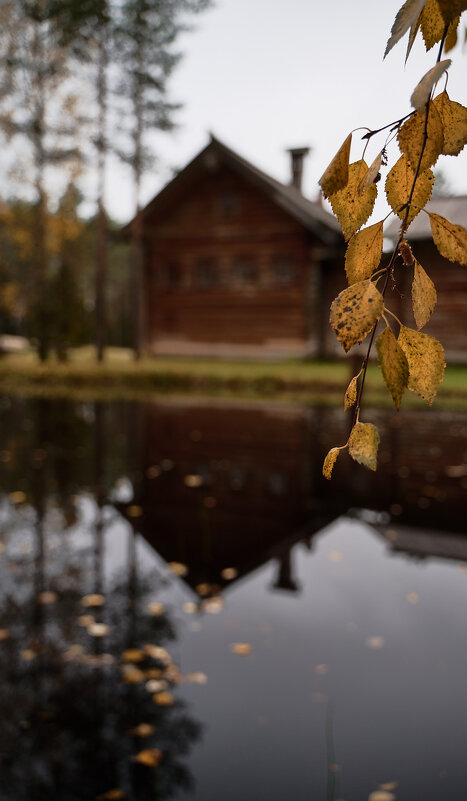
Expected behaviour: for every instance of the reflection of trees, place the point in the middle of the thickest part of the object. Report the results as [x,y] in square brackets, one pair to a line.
[69,702]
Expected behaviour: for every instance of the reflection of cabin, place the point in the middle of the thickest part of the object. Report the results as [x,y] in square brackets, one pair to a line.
[235,262]
[224,484]
[449,320]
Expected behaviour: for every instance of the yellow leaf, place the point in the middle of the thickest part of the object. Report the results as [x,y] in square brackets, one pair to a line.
[423,89]
[450,9]
[242,648]
[98,630]
[425,357]
[405,17]
[351,393]
[94,599]
[111,795]
[451,36]
[381,795]
[178,568]
[450,239]
[335,177]
[363,444]
[133,655]
[432,23]
[411,138]
[149,756]
[399,183]
[352,208]
[393,364]
[364,253]
[329,462]
[454,119]
[355,311]
[423,296]
[143,730]
[372,173]
[163,699]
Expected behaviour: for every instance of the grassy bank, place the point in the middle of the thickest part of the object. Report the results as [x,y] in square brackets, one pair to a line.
[121,377]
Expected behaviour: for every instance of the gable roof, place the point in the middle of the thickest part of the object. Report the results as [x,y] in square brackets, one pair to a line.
[453,209]
[316,219]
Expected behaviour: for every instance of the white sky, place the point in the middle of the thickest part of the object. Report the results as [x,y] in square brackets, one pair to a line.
[265,75]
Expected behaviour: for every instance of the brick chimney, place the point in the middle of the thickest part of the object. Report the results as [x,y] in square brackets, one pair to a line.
[297,155]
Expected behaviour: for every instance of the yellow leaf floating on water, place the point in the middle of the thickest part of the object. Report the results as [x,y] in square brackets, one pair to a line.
[352,208]
[241,648]
[454,119]
[355,311]
[413,598]
[336,175]
[156,608]
[17,497]
[329,462]
[94,599]
[393,364]
[28,655]
[178,568]
[47,598]
[423,89]
[375,642]
[98,630]
[133,655]
[364,253]
[399,184]
[405,17]
[363,444]
[450,239]
[149,756]
[134,511]
[412,136]
[229,573]
[143,730]
[163,699]
[4,635]
[351,393]
[423,296]
[112,795]
[381,795]
[196,678]
[425,357]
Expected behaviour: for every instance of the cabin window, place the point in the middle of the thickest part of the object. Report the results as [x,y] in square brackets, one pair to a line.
[206,273]
[227,203]
[243,272]
[284,270]
[170,275]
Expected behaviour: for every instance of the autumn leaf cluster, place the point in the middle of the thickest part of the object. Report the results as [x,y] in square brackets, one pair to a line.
[436,126]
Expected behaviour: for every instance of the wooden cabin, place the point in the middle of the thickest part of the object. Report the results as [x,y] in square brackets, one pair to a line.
[236,262]
[449,320]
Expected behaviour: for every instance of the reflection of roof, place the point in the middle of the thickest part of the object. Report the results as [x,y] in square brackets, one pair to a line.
[453,208]
[290,199]
[422,544]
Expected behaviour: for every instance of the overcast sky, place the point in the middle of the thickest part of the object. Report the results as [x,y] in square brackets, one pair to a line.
[266,75]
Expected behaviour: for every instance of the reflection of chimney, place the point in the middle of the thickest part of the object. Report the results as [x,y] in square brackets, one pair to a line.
[285,579]
[297,154]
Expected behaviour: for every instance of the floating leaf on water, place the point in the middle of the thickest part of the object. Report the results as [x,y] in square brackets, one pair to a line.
[154,471]
[163,699]
[242,648]
[156,608]
[28,655]
[157,652]
[213,605]
[93,599]
[46,598]
[111,795]
[196,678]
[132,674]
[98,630]
[133,655]
[178,568]
[134,511]
[143,730]
[388,786]
[375,642]
[4,634]
[413,597]
[149,756]
[335,556]
[193,480]
[156,685]
[17,497]
[229,573]
[381,795]
[86,621]
[321,670]
[209,502]
[190,608]
[153,673]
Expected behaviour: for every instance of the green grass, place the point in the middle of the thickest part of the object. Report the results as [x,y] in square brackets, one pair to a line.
[121,377]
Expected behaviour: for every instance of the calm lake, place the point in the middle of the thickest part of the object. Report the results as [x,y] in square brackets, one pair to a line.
[190,611]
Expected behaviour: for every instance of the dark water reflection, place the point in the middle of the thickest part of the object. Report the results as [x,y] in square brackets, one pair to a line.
[189,611]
